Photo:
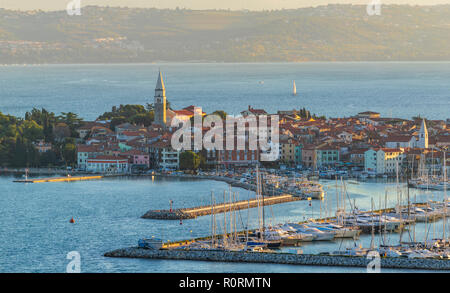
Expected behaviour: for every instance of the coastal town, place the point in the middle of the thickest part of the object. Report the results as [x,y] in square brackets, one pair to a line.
[310,150]
[364,145]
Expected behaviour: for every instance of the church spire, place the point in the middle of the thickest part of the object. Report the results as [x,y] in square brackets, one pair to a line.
[423,127]
[423,136]
[160,102]
[160,82]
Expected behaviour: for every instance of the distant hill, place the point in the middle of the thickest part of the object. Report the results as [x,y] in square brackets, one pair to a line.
[326,33]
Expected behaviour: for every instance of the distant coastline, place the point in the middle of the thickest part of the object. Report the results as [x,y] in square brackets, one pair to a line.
[214,62]
[135,35]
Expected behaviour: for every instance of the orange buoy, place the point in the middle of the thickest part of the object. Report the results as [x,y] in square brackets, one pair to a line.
[72,220]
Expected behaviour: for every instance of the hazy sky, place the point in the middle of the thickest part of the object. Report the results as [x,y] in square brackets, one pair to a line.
[199,4]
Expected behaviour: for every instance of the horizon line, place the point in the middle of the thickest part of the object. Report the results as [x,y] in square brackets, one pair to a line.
[224,9]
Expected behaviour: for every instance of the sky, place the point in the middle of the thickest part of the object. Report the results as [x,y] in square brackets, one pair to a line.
[200,4]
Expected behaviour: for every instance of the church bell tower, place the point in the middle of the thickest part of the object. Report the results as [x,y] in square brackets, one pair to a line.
[160,102]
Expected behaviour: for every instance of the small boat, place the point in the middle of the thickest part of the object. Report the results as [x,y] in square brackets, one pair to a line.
[72,221]
[294,91]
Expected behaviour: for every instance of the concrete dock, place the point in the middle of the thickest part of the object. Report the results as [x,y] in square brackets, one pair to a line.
[280,258]
[191,213]
[58,179]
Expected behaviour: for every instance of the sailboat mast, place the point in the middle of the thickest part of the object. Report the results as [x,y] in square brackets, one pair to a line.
[445,198]
[262,195]
[212,220]
[224,217]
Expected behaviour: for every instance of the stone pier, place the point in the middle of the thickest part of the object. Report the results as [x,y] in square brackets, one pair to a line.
[280,258]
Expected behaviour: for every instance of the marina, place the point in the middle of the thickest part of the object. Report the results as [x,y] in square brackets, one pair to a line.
[260,245]
[118,218]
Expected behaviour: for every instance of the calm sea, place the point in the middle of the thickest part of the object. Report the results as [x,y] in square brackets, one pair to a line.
[35,233]
[332,89]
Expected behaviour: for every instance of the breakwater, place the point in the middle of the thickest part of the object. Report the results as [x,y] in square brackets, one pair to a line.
[280,258]
[58,179]
[191,213]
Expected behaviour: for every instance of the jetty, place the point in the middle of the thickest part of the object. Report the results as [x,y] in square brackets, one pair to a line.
[279,258]
[58,179]
[192,213]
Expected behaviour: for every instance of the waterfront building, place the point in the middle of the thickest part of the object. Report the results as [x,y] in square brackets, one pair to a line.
[137,158]
[298,153]
[238,158]
[288,150]
[84,152]
[357,157]
[309,156]
[327,155]
[107,164]
[383,160]
[162,155]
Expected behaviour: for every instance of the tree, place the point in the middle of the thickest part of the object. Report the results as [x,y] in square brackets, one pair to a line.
[32,131]
[221,113]
[143,119]
[69,152]
[189,160]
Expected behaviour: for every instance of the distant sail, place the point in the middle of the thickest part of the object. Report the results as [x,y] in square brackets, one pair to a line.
[295,90]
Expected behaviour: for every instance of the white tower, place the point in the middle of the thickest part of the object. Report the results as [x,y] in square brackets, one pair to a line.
[422,142]
[160,102]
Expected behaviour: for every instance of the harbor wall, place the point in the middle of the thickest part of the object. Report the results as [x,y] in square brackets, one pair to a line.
[279,258]
[191,213]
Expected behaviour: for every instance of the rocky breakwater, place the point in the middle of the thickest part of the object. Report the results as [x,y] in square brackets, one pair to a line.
[190,213]
[167,215]
[279,258]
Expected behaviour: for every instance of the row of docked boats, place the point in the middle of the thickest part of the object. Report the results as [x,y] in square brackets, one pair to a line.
[426,212]
[292,234]
[429,184]
[297,186]
[436,249]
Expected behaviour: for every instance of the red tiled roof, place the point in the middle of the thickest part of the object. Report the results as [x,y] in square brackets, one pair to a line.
[81,148]
[398,138]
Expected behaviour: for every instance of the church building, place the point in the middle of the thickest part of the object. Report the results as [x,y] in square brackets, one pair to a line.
[164,115]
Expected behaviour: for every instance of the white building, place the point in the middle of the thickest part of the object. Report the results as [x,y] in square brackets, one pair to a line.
[422,140]
[400,141]
[164,155]
[107,164]
[383,160]
[84,152]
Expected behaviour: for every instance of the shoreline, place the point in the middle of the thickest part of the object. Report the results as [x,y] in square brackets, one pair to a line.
[280,258]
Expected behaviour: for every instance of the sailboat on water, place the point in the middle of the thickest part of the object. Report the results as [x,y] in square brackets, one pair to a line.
[294,91]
